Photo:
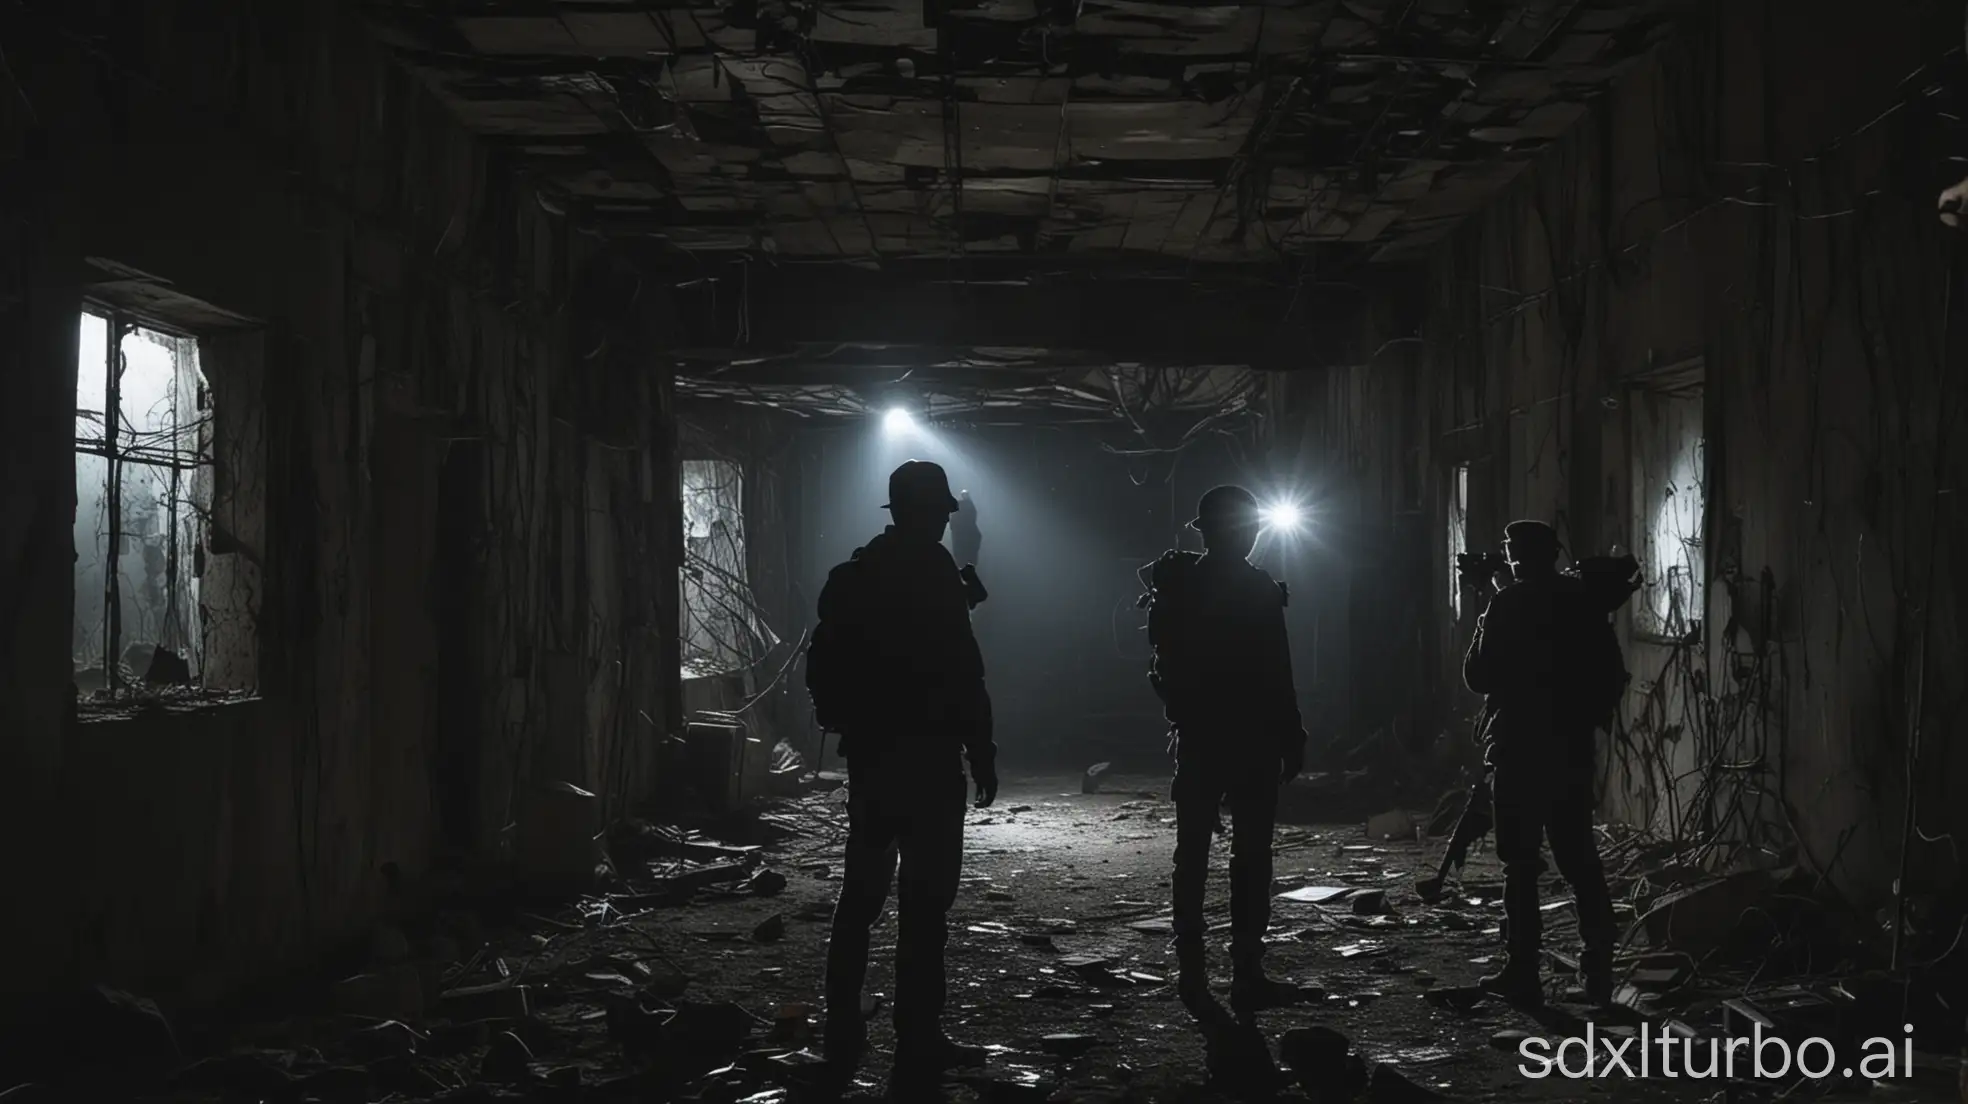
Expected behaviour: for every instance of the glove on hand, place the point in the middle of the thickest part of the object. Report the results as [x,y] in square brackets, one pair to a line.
[984,772]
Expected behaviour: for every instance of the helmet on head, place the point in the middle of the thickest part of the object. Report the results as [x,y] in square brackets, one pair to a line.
[1227,508]
[920,485]
[1529,540]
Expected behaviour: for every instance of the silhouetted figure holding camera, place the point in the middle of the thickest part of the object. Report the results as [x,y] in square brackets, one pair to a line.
[1546,658]
[1222,667]
[895,669]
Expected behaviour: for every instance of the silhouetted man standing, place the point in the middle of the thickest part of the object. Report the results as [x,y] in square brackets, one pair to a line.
[895,669]
[1223,670]
[1546,657]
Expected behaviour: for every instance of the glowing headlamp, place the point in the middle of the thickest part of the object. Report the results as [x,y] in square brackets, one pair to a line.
[1283,516]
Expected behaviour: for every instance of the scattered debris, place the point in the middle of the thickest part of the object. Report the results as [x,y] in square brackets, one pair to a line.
[1365,948]
[509,1061]
[675,884]
[389,1039]
[792,1024]
[1455,998]
[1509,1040]
[499,1000]
[1317,895]
[1091,782]
[1068,1045]
[541,1007]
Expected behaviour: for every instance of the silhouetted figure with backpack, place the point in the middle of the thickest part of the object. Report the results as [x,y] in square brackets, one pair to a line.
[1222,667]
[895,670]
[1546,657]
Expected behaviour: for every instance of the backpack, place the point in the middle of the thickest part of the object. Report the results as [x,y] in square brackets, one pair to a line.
[1609,582]
[1165,579]
[835,680]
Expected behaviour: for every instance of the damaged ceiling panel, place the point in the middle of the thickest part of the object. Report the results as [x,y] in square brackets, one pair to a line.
[979,386]
[874,130]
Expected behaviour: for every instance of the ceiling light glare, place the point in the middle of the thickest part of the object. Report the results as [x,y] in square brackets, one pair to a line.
[1283,516]
[897,422]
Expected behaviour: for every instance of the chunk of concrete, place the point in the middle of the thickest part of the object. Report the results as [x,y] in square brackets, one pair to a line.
[1068,1045]
[1370,902]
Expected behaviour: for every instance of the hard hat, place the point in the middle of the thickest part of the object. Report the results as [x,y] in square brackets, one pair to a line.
[1530,537]
[1227,507]
[920,485]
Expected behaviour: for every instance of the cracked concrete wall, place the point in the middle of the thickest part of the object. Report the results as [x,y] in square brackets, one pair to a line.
[1734,206]
[453,494]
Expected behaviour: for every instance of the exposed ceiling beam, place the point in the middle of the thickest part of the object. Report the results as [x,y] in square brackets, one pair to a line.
[886,322]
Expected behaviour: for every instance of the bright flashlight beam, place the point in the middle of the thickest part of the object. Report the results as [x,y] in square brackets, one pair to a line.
[1282,516]
[897,422]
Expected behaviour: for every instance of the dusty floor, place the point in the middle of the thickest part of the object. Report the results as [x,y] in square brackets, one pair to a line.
[644,994]
[1054,876]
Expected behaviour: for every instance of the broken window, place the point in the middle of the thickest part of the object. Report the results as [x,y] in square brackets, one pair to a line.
[1458,532]
[142,483]
[1669,472]
[722,629]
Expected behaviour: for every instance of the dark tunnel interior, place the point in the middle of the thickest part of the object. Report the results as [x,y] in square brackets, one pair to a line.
[768,551]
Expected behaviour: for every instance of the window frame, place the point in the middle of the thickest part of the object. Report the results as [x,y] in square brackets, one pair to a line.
[119,323]
[1682,381]
[1457,522]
